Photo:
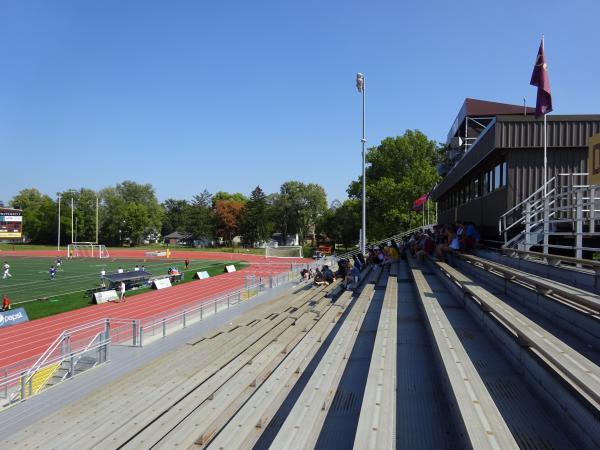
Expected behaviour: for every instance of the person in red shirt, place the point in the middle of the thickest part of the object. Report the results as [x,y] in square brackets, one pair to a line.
[187,263]
[5,303]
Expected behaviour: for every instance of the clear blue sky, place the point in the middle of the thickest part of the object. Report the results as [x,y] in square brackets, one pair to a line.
[189,95]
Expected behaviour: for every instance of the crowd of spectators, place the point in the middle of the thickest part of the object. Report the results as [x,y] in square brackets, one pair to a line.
[437,242]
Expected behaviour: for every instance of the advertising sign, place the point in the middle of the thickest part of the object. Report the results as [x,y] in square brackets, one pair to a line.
[202,275]
[230,268]
[12,317]
[161,283]
[11,223]
[105,296]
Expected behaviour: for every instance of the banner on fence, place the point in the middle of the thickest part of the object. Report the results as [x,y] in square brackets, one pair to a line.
[12,317]
[230,268]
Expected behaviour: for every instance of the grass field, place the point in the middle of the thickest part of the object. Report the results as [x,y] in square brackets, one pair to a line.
[31,287]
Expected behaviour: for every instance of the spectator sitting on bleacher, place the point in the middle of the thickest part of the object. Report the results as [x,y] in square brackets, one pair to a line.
[361,258]
[357,262]
[349,278]
[5,303]
[471,237]
[327,275]
[319,279]
[426,247]
[451,244]
[342,268]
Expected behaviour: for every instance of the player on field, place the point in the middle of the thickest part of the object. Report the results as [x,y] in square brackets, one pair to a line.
[6,268]
[58,262]
[187,263]
[102,276]
[52,273]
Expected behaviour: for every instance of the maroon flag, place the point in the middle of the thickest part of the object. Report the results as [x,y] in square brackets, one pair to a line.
[541,80]
[418,204]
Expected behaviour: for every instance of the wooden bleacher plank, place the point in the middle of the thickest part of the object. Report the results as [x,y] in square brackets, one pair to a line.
[484,425]
[377,421]
[112,403]
[580,296]
[302,426]
[574,367]
[245,427]
[202,424]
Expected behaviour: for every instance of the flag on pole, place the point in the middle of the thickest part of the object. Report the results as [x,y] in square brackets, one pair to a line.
[418,204]
[541,80]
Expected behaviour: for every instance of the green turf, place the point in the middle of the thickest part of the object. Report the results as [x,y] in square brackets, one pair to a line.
[31,285]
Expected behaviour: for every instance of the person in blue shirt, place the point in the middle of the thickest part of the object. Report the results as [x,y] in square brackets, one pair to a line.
[52,272]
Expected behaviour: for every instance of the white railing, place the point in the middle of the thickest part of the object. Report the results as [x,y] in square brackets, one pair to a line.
[566,200]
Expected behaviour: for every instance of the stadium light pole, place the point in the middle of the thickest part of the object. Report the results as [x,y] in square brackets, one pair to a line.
[58,244]
[360,85]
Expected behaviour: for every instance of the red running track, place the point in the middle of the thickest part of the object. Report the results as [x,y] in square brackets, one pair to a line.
[31,339]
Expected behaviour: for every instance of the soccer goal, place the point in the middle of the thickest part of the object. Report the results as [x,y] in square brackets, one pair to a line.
[281,251]
[87,250]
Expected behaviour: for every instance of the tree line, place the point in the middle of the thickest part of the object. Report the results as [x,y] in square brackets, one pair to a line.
[400,169]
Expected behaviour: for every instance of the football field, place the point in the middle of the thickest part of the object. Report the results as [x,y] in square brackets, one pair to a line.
[30,283]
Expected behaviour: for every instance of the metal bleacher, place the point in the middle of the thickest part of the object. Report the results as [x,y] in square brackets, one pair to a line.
[472,354]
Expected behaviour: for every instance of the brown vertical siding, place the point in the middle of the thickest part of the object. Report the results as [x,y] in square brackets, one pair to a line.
[526,168]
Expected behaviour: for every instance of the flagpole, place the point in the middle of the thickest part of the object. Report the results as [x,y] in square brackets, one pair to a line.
[545,159]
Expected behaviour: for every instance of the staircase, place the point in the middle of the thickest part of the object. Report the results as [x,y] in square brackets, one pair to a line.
[558,217]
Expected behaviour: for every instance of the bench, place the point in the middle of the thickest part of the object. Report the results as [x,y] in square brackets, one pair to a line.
[303,424]
[542,285]
[579,372]
[377,421]
[484,426]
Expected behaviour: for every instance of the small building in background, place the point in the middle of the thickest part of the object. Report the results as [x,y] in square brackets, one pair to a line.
[178,237]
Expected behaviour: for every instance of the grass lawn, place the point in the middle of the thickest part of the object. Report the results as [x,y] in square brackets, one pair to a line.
[31,287]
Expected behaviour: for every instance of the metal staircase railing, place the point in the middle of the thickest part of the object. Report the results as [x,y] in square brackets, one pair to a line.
[566,199]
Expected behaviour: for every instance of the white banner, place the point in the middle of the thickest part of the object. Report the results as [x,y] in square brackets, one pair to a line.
[230,268]
[11,218]
[105,296]
[161,283]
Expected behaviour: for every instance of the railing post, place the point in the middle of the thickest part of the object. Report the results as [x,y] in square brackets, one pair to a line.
[201,311]
[23,384]
[592,210]
[184,319]
[71,366]
[141,336]
[579,225]
[164,324]
[546,224]
[134,332]
[527,226]
[215,306]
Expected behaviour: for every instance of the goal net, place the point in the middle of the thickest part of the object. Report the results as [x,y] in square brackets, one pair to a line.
[87,250]
[287,251]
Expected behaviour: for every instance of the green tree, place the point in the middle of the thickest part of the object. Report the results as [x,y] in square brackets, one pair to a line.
[121,204]
[297,208]
[341,224]
[39,215]
[175,216]
[401,169]
[199,219]
[257,226]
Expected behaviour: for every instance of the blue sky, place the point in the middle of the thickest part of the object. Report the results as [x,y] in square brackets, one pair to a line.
[189,95]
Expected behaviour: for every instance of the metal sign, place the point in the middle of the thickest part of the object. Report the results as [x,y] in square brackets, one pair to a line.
[12,317]
[594,160]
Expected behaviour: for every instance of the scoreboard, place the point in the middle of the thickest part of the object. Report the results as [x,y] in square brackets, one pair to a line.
[11,223]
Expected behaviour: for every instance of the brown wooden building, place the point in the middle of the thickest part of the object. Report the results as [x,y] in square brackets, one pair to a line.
[495,152]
